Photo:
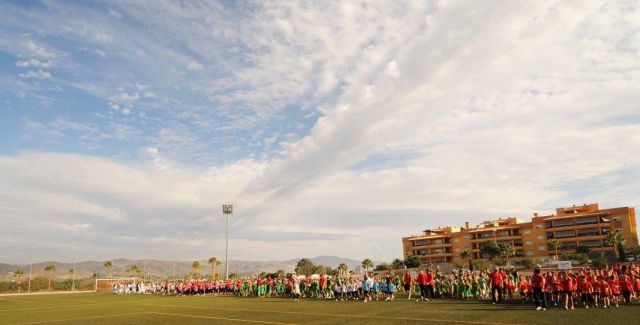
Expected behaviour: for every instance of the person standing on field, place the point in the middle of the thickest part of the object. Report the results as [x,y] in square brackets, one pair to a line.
[496,285]
[431,281]
[422,282]
[407,280]
[538,283]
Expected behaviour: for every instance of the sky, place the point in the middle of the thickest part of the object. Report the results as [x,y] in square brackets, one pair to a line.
[334,128]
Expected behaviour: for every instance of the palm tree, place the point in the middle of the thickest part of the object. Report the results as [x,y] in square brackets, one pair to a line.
[554,244]
[50,268]
[71,272]
[134,271]
[615,238]
[109,266]
[343,268]
[18,274]
[366,264]
[196,269]
[213,261]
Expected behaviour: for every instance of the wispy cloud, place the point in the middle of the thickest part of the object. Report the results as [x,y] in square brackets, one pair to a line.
[332,127]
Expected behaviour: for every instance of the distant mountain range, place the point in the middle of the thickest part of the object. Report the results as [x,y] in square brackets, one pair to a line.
[165,269]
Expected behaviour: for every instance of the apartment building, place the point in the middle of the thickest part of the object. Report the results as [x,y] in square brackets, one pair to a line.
[585,225]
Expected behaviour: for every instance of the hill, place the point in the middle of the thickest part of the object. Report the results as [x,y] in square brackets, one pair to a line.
[165,269]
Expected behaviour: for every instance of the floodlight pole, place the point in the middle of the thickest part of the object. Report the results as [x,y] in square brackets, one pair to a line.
[73,279]
[227,209]
[30,268]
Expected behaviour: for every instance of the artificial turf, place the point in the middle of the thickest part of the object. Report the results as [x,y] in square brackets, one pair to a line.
[89,308]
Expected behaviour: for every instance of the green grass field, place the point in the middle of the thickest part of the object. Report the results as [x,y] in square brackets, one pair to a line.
[92,308]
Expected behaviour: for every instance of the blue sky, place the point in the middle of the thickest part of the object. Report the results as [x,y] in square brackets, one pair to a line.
[335,128]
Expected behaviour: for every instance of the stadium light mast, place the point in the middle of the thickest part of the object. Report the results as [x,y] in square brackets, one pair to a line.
[73,280]
[227,209]
[30,269]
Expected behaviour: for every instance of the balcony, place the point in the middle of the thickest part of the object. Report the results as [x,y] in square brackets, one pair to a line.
[589,232]
[424,243]
[565,234]
[591,243]
[577,222]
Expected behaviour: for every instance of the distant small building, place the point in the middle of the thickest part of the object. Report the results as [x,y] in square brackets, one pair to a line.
[585,225]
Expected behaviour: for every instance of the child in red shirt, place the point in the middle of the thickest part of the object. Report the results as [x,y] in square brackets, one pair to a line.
[605,292]
[568,287]
[614,283]
[627,288]
[586,290]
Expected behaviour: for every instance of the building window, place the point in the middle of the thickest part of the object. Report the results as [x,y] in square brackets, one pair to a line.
[568,245]
[528,242]
[456,240]
[503,233]
[565,234]
[541,248]
[591,243]
[586,220]
[527,232]
[564,223]
[616,218]
[541,237]
[529,253]
[588,232]
[539,226]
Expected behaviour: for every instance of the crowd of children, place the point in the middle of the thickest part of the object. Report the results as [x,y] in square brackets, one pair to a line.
[589,288]
[566,289]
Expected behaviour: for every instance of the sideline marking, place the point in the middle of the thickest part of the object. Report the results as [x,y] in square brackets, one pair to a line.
[219,318]
[76,318]
[73,306]
[337,315]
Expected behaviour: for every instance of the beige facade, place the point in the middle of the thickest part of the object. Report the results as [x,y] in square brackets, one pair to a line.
[585,225]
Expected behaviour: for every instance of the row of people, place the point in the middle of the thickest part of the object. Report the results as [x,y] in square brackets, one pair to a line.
[591,288]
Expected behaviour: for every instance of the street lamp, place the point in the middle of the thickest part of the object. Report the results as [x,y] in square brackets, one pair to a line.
[227,209]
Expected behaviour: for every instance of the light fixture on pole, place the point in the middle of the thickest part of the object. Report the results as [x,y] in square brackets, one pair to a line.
[227,209]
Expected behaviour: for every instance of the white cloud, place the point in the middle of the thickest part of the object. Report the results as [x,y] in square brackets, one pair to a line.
[114,13]
[125,111]
[392,69]
[39,50]
[34,63]
[126,98]
[194,65]
[39,74]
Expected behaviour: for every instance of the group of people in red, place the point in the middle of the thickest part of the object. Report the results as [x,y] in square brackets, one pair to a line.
[592,288]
